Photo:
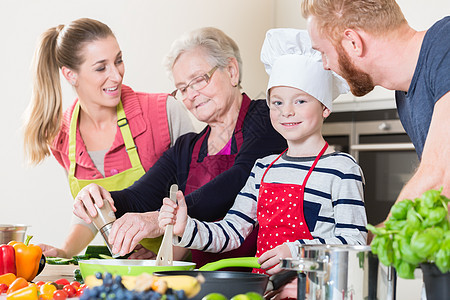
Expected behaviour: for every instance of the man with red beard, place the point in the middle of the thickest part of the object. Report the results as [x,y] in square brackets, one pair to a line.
[369,43]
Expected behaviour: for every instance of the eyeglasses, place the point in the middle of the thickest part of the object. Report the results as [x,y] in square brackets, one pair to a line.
[196,84]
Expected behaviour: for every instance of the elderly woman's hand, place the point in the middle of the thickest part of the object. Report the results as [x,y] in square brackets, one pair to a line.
[131,228]
[84,201]
[173,213]
[140,252]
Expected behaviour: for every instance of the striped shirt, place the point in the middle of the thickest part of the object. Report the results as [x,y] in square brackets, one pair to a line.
[333,205]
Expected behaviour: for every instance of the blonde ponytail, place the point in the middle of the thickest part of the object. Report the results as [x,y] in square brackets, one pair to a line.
[44,112]
[58,46]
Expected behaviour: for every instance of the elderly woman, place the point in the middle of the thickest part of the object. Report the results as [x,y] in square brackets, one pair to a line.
[210,167]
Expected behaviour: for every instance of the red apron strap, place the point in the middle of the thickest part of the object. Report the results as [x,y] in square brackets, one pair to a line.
[315,163]
[267,169]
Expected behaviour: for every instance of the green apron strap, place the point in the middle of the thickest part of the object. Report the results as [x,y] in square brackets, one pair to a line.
[73,138]
[122,122]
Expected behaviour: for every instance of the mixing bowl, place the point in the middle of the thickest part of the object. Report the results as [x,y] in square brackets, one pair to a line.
[131,267]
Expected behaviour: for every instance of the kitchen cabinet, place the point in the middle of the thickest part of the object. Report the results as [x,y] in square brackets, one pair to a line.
[379,98]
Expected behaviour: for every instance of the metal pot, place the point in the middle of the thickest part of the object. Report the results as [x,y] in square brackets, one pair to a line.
[9,232]
[341,272]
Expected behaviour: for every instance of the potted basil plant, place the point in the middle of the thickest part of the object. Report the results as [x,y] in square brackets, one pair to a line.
[417,233]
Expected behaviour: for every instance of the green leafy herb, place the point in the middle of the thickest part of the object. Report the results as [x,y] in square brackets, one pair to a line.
[418,231]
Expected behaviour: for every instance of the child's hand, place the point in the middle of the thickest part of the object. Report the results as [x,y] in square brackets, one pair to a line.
[172,213]
[270,259]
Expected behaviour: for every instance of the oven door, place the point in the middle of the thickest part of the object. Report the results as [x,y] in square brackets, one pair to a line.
[388,160]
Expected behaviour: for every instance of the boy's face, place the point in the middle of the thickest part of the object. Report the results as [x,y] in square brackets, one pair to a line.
[296,115]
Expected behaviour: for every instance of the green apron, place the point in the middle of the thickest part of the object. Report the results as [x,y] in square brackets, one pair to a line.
[116,182]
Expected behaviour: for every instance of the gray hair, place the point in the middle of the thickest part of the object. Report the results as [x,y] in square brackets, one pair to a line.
[218,47]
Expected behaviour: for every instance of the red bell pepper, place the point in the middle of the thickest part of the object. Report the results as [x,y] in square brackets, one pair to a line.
[7,259]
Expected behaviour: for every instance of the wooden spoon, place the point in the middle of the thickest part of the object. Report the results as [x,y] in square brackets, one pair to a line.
[165,253]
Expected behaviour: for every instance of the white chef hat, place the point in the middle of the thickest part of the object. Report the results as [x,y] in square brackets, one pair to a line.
[291,61]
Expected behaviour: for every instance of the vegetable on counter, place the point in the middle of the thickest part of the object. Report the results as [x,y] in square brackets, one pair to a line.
[92,252]
[16,285]
[416,232]
[7,259]
[61,289]
[61,261]
[27,293]
[7,278]
[28,257]
[129,287]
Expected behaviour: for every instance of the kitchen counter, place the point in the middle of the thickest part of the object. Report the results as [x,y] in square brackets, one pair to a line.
[55,272]
[412,288]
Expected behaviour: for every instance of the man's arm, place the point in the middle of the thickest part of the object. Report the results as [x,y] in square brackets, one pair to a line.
[434,169]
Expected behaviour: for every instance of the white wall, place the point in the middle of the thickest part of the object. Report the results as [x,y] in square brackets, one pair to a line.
[145,29]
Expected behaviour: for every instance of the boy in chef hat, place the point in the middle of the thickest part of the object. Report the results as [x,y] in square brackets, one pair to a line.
[309,194]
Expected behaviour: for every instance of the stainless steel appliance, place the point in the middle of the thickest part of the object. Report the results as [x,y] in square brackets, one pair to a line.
[340,272]
[12,232]
[377,140]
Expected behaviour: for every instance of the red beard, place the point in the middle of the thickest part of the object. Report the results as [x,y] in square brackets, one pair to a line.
[360,83]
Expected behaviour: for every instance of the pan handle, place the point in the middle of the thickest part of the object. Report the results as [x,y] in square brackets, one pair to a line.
[249,262]
[280,279]
[301,286]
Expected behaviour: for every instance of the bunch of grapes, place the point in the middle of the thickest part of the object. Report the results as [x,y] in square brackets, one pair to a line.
[112,288]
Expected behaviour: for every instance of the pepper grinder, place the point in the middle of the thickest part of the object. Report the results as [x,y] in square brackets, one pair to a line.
[103,221]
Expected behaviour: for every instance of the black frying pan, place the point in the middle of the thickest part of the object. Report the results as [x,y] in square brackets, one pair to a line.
[231,283]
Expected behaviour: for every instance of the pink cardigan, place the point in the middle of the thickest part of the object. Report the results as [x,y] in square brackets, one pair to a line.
[147,117]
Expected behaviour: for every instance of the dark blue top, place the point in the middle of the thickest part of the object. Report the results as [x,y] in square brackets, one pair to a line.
[430,82]
[213,200]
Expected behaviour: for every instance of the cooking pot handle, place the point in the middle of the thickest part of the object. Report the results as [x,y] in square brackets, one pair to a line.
[249,262]
[303,265]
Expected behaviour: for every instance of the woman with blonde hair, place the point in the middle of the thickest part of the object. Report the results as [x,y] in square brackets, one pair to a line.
[110,135]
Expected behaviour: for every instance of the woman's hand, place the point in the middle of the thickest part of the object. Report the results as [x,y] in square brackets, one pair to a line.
[84,201]
[270,259]
[173,213]
[50,251]
[131,228]
[140,252]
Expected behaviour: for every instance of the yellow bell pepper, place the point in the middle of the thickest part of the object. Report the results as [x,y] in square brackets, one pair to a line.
[47,289]
[28,257]
[28,293]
